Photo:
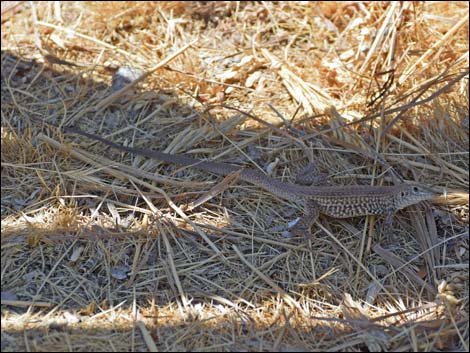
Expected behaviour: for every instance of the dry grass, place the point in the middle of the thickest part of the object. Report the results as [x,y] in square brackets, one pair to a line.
[100,252]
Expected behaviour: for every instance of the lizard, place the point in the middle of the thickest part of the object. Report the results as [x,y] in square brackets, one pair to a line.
[333,201]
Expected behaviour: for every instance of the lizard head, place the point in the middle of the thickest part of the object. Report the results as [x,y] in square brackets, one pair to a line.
[410,194]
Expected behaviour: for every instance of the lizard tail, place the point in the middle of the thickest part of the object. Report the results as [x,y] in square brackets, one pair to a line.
[217,168]
[286,191]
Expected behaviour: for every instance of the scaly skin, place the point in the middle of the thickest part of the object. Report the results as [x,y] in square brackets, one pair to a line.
[337,201]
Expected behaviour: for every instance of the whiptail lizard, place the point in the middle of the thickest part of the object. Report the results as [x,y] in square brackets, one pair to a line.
[334,201]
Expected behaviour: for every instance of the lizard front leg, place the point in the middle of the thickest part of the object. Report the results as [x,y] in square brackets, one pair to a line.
[387,224]
[302,227]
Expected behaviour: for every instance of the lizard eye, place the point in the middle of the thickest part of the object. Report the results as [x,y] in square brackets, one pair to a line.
[415,189]
[403,194]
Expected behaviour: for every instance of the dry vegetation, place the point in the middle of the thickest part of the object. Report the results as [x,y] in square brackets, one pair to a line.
[99,249]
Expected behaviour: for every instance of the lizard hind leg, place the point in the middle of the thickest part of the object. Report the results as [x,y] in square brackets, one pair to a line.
[310,175]
[302,227]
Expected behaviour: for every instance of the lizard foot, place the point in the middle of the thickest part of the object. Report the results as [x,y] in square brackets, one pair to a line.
[299,229]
